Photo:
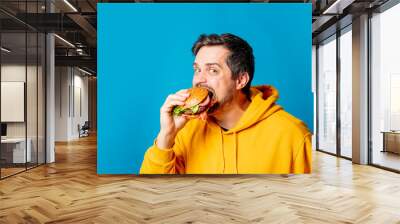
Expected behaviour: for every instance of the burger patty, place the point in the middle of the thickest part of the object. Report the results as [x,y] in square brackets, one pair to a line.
[201,110]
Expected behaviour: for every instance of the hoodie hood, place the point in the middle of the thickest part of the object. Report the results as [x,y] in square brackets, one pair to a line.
[263,104]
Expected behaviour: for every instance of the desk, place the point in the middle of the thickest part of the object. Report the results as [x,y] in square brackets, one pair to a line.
[391,141]
[15,148]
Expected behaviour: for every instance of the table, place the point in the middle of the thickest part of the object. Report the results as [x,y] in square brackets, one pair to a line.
[391,141]
[13,150]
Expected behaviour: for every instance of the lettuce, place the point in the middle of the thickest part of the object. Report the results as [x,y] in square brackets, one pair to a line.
[195,109]
[180,110]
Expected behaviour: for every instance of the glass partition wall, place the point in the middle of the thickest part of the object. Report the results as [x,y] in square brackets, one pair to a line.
[22,88]
[334,94]
[345,93]
[385,89]
[13,90]
[327,95]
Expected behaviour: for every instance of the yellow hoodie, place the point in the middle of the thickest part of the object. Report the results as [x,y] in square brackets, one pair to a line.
[266,140]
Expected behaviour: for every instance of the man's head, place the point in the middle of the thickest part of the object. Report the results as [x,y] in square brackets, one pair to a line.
[224,64]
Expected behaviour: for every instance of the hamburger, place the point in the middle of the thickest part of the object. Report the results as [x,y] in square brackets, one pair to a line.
[198,102]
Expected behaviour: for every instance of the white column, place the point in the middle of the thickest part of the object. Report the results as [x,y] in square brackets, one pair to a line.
[360,90]
[50,100]
[50,93]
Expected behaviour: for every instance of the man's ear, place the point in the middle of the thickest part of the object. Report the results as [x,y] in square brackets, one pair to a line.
[242,80]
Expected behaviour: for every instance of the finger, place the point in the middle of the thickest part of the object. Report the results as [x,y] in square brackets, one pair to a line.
[189,116]
[183,91]
[176,97]
[183,94]
[176,103]
[171,104]
[203,116]
[182,117]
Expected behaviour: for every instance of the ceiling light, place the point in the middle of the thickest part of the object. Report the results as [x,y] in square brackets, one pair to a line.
[5,50]
[331,7]
[70,5]
[337,7]
[65,41]
[84,71]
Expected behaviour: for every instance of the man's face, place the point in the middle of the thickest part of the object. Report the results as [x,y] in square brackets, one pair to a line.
[212,72]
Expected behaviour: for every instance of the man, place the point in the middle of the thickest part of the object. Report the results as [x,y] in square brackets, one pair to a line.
[246,132]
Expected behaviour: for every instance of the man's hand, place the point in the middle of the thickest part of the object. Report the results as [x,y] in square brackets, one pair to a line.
[169,124]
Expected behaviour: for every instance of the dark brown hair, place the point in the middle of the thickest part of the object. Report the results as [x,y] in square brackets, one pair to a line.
[239,61]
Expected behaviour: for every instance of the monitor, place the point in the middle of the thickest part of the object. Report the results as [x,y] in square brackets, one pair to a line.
[3,129]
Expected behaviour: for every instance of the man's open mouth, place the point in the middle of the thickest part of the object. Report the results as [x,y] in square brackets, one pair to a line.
[213,104]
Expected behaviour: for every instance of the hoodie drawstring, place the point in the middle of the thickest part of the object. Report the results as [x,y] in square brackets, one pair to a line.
[235,147]
[236,150]
[222,148]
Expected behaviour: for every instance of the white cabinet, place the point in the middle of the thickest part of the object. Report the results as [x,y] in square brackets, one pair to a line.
[391,142]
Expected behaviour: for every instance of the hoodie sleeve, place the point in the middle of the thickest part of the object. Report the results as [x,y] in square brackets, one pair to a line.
[164,161]
[302,161]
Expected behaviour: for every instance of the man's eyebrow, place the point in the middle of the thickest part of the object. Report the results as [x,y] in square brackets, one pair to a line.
[209,64]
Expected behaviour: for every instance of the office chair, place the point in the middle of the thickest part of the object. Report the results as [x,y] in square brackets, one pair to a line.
[84,130]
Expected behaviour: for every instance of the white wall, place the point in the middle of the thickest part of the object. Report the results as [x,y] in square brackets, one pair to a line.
[14,72]
[71,94]
[80,89]
[62,81]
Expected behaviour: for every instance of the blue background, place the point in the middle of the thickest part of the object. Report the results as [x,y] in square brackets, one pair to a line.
[144,54]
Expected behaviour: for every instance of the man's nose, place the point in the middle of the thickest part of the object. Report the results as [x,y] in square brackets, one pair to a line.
[200,78]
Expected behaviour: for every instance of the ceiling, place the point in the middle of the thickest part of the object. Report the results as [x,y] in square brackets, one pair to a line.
[76,22]
[72,20]
[329,16]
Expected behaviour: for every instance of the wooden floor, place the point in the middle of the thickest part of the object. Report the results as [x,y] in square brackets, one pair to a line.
[5,172]
[388,159]
[69,191]
[8,171]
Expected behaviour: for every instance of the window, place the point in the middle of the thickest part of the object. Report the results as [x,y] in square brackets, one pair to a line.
[327,95]
[346,92]
[385,88]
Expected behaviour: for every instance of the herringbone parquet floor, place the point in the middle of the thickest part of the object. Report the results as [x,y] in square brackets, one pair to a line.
[69,191]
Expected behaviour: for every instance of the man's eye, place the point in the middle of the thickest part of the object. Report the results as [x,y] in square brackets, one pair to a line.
[214,71]
[196,70]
